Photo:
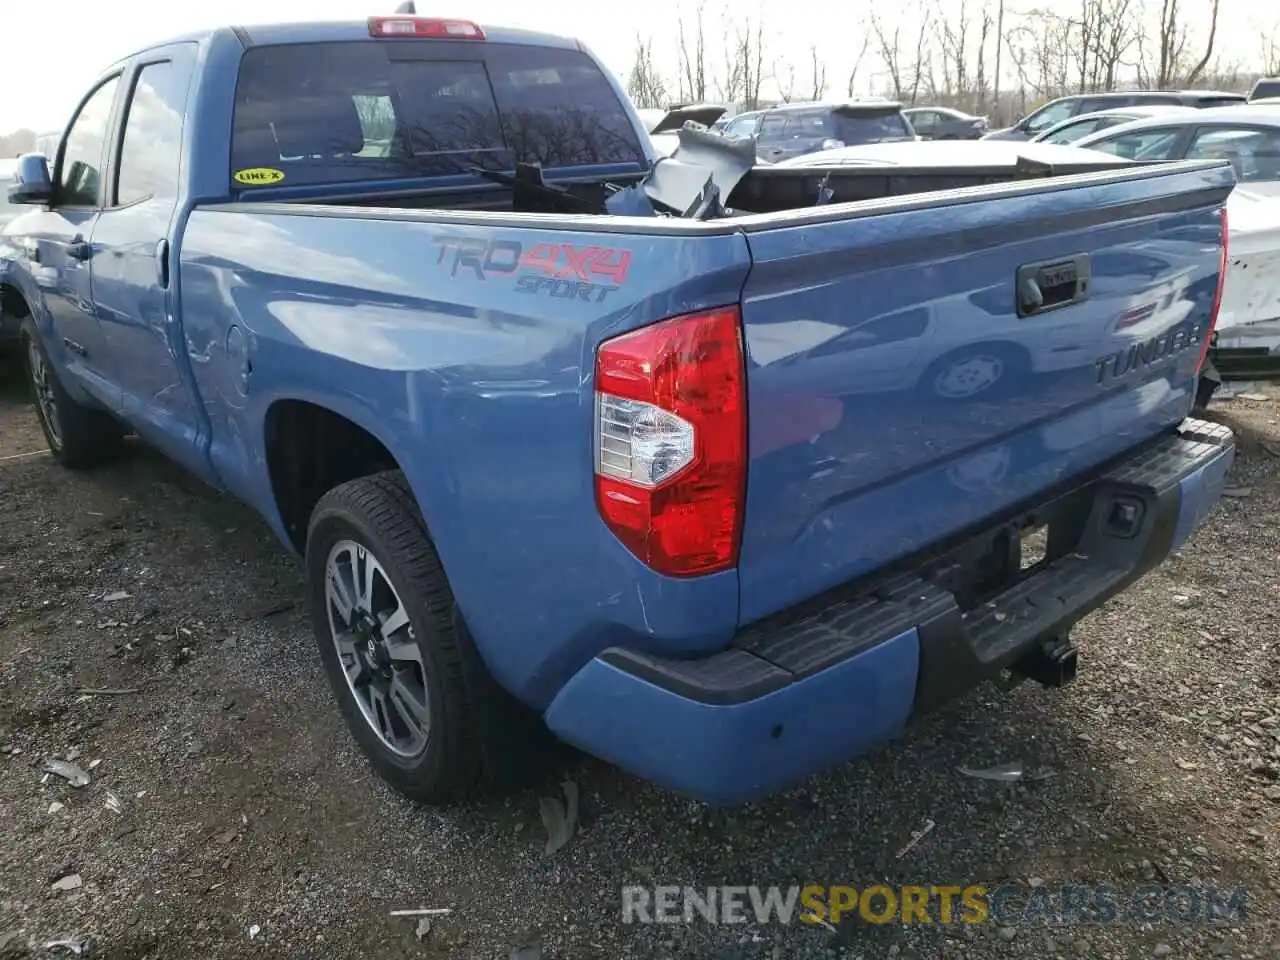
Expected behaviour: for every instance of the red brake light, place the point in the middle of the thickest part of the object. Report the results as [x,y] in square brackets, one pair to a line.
[1217,295]
[424,27]
[671,441]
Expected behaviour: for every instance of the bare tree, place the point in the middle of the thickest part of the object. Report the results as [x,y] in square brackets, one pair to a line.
[1198,70]
[818,74]
[784,78]
[1119,27]
[1271,52]
[693,55]
[995,94]
[857,63]
[645,85]
[744,63]
[888,47]
[1171,66]
[951,36]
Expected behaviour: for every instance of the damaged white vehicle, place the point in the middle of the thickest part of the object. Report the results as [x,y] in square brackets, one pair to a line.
[1247,346]
[1247,343]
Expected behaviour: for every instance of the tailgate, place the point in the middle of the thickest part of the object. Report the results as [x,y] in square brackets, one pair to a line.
[918,365]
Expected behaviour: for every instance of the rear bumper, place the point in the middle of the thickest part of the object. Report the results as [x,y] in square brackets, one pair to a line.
[797,694]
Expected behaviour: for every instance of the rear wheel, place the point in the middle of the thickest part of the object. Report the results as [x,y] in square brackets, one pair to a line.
[409,683]
[78,435]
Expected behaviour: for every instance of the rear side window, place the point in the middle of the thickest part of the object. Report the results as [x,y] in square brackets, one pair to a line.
[379,109]
[1143,145]
[150,155]
[1253,152]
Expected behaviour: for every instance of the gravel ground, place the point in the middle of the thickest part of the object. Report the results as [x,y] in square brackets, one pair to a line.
[245,824]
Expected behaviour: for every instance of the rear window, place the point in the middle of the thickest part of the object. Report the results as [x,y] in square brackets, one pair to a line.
[1265,88]
[376,109]
[856,128]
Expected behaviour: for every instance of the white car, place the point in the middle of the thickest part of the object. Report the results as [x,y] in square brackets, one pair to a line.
[945,153]
[1248,136]
[1076,128]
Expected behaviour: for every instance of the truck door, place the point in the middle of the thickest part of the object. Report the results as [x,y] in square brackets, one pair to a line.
[133,275]
[64,253]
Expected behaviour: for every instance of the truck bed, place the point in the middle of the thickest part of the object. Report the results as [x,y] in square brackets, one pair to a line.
[761,189]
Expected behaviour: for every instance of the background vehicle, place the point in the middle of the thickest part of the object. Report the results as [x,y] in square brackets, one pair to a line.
[943,123]
[793,129]
[544,460]
[1064,108]
[7,210]
[1069,131]
[8,325]
[1249,137]
[1265,88]
[1001,158]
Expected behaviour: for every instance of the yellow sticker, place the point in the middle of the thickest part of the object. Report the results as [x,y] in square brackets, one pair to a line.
[257,176]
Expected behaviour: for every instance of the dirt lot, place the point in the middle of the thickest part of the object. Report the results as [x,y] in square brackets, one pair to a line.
[248,826]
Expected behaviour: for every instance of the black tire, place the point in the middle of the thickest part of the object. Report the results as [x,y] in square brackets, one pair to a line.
[479,735]
[1014,365]
[80,436]
[1206,386]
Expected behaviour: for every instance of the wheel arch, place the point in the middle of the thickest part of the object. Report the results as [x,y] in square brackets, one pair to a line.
[311,446]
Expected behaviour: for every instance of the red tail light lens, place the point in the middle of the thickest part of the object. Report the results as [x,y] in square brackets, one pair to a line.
[1217,294]
[671,441]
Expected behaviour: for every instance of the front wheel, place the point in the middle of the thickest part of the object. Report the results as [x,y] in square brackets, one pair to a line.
[78,436]
[408,681]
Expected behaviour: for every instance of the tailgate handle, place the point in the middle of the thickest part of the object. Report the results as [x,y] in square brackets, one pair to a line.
[1052,285]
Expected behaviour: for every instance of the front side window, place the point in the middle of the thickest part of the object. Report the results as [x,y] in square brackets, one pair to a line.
[380,109]
[151,153]
[772,128]
[80,171]
[1071,132]
[1049,116]
[742,127]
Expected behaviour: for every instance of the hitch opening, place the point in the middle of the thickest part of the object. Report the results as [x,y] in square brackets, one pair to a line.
[1052,664]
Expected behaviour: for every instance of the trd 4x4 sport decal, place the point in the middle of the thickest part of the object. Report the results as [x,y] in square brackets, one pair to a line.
[559,270]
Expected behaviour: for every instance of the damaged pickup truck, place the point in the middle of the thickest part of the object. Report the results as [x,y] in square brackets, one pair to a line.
[722,472]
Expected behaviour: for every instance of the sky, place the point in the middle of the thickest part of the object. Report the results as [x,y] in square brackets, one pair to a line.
[49,56]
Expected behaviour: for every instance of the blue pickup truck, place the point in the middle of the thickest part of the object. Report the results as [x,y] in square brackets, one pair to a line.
[722,494]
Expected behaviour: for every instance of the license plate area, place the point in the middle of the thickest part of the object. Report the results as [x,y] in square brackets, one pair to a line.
[1002,556]
[1034,547]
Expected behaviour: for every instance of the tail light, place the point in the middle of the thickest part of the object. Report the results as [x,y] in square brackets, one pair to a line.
[671,441]
[424,27]
[1217,294]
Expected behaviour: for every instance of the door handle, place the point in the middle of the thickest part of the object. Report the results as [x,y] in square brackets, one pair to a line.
[78,249]
[162,263]
[1042,287]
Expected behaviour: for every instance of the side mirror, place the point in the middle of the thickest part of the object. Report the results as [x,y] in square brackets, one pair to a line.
[31,181]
